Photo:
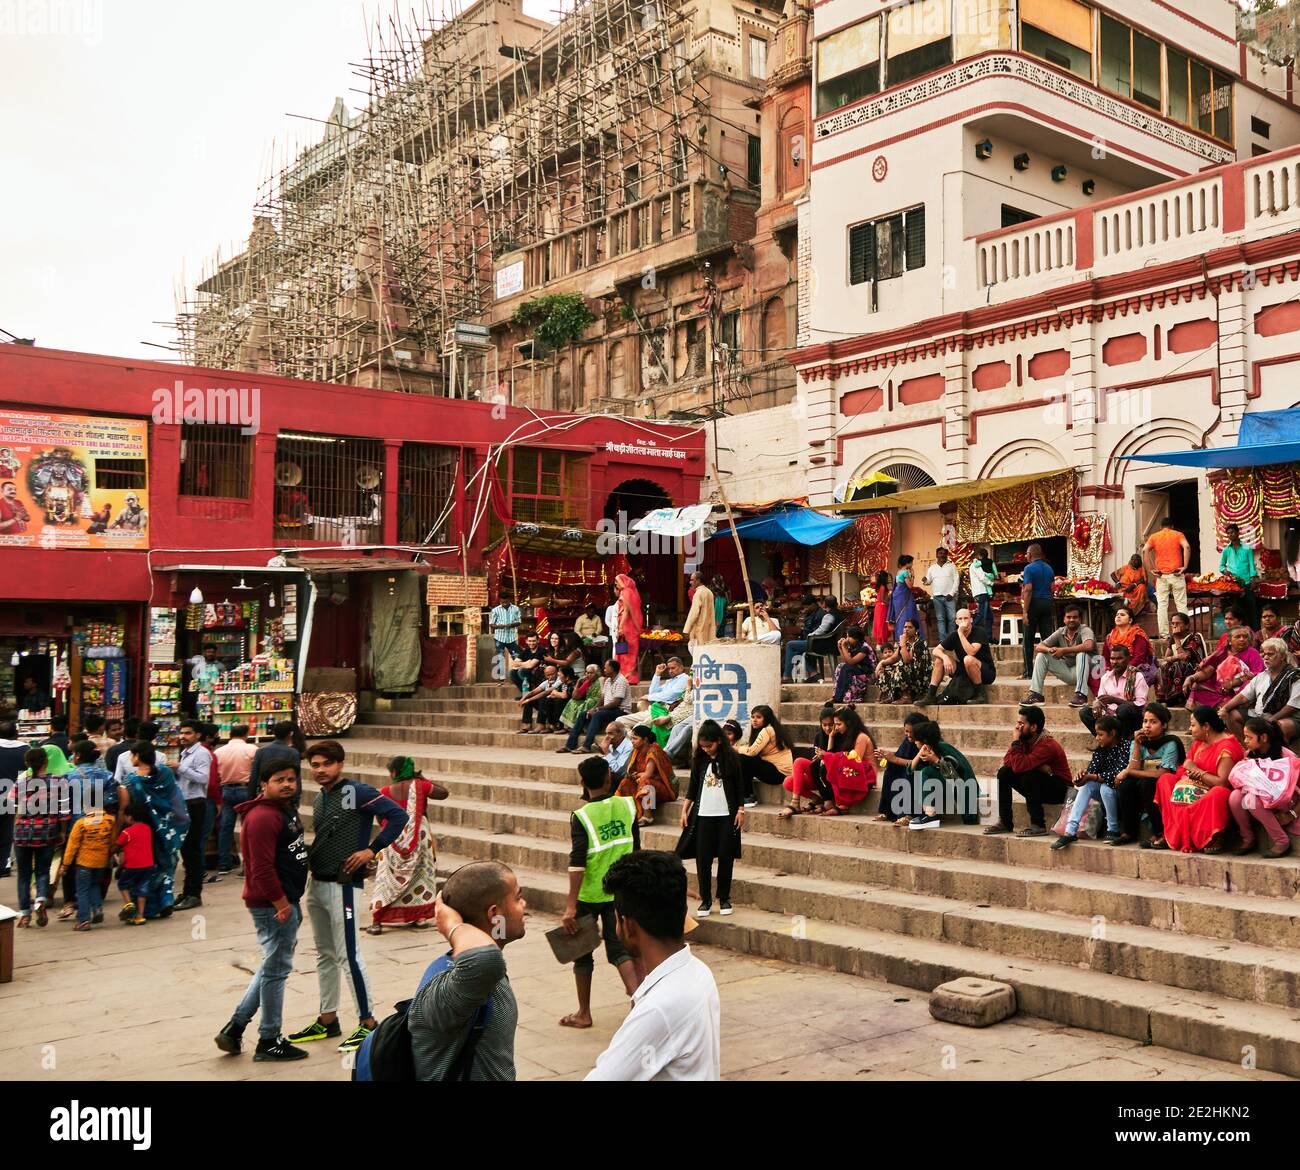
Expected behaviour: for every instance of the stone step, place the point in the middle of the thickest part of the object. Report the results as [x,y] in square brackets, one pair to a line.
[840,869]
[1242,971]
[518,781]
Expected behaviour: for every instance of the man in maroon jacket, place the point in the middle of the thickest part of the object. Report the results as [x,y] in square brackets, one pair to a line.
[1036,767]
[275,875]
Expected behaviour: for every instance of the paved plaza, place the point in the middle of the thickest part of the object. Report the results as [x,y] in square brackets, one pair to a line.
[144,1003]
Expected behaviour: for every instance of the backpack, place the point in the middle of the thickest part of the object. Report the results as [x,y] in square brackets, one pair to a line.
[385,1055]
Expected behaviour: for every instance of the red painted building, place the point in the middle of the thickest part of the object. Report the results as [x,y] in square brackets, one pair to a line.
[240,466]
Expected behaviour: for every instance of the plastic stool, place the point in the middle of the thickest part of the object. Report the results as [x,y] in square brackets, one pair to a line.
[1010,632]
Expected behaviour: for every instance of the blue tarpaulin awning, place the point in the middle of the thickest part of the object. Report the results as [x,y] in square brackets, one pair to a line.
[792,524]
[1265,438]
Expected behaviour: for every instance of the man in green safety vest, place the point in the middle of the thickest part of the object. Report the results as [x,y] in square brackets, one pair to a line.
[602,831]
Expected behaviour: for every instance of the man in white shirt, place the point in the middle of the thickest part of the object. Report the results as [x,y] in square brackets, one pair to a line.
[673,1032]
[943,581]
[618,750]
[667,687]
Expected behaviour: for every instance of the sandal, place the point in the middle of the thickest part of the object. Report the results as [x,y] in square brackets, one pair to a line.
[374,929]
[903,822]
[23,920]
[830,811]
[790,810]
[880,817]
[1156,843]
[67,912]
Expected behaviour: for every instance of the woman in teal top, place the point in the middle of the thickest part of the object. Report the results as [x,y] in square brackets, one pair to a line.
[719,587]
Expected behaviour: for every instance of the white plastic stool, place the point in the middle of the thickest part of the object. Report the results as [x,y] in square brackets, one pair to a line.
[1010,634]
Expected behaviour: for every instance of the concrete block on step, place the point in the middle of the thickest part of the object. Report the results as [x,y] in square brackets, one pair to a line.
[976,1003]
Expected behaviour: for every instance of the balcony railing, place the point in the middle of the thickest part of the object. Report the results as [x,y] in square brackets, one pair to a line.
[1170,222]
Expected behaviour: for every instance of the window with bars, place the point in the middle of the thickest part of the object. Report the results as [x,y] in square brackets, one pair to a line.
[216,460]
[328,490]
[883,248]
[754,161]
[428,479]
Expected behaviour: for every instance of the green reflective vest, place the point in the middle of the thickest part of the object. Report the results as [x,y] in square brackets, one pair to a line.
[609,836]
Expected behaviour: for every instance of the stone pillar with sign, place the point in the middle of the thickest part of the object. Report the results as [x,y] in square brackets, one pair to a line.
[732,678]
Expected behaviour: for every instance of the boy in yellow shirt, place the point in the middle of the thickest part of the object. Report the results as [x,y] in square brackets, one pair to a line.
[90,849]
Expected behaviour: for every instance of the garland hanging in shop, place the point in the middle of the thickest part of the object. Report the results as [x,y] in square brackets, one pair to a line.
[1088,545]
[1029,511]
[1238,500]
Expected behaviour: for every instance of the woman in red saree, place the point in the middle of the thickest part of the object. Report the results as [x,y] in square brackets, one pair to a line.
[848,769]
[1194,800]
[629,627]
[1220,676]
[405,887]
[649,779]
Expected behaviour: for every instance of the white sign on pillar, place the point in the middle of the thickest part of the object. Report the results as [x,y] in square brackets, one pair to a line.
[732,678]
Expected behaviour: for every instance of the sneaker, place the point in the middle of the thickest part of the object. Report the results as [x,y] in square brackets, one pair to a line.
[724,908]
[189,902]
[923,821]
[230,1039]
[1079,700]
[223,870]
[1113,839]
[1033,699]
[97,917]
[1065,841]
[316,1031]
[278,1049]
[751,802]
[42,917]
[127,912]
[706,908]
[135,921]
[353,1042]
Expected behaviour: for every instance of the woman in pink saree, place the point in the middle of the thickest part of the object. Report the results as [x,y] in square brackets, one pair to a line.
[629,627]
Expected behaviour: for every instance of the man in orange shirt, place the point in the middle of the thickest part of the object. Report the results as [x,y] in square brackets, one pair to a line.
[1167,553]
[234,765]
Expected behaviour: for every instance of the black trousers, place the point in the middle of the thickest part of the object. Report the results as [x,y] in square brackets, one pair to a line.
[896,792]
[1129,716]
[1137,795]
[192,848]
[1038,789]
[1040,623]
[753,768]
[615,952]
[714,838]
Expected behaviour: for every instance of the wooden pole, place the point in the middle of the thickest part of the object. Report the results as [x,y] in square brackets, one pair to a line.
[740,552]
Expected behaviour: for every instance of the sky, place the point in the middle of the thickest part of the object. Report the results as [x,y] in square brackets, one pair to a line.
[134,136]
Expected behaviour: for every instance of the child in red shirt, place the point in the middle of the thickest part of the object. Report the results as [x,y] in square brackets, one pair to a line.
[135,844]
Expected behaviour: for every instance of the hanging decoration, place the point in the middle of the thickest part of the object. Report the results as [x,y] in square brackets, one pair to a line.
[1238,500]
[818,573]
[1088,545]
[863,549]
[1030,511]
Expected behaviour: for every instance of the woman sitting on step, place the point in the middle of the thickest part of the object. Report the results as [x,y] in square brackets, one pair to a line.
[904,666]
[1264,790]
[1155,754]
[1194,800]
[847,773]
[584,696]
[947,780]
[649,779]
[768,754]
[1226,671]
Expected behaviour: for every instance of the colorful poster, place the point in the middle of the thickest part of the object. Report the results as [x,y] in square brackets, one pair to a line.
[73,481]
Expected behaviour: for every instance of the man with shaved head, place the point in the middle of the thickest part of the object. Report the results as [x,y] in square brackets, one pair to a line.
[462,1021]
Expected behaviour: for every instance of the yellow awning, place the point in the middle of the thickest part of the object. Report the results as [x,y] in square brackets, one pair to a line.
[942,494]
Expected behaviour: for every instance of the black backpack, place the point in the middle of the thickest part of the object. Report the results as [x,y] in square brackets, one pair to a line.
[385,1055]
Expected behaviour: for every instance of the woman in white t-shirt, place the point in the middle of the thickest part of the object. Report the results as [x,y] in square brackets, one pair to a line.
[713,815]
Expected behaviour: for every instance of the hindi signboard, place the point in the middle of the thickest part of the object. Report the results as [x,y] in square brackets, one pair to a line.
[73,481]
[732,678]
[455,591]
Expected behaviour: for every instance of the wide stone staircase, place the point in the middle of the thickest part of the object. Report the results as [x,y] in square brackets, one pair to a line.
[1192,952]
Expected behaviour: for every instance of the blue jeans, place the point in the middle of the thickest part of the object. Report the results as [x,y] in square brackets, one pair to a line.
[793,648]
[33,859]
[90,894]
[231,795]
[945,615]
[593,722]
[679,737]
[266,989]
[1091,791]
[984,612]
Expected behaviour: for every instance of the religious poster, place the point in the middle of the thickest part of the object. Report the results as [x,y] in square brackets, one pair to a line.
[73,481]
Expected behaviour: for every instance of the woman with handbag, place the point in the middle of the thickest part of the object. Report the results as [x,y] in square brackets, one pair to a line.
[627,635]
[713,816]
[1265,793]
[1194,800]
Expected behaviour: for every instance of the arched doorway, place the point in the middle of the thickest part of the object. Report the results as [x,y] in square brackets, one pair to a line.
[656,574]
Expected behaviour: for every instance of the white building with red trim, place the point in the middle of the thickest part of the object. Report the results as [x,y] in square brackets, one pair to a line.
[1044,234]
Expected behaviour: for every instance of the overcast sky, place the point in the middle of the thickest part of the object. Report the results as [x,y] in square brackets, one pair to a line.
[135,135]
